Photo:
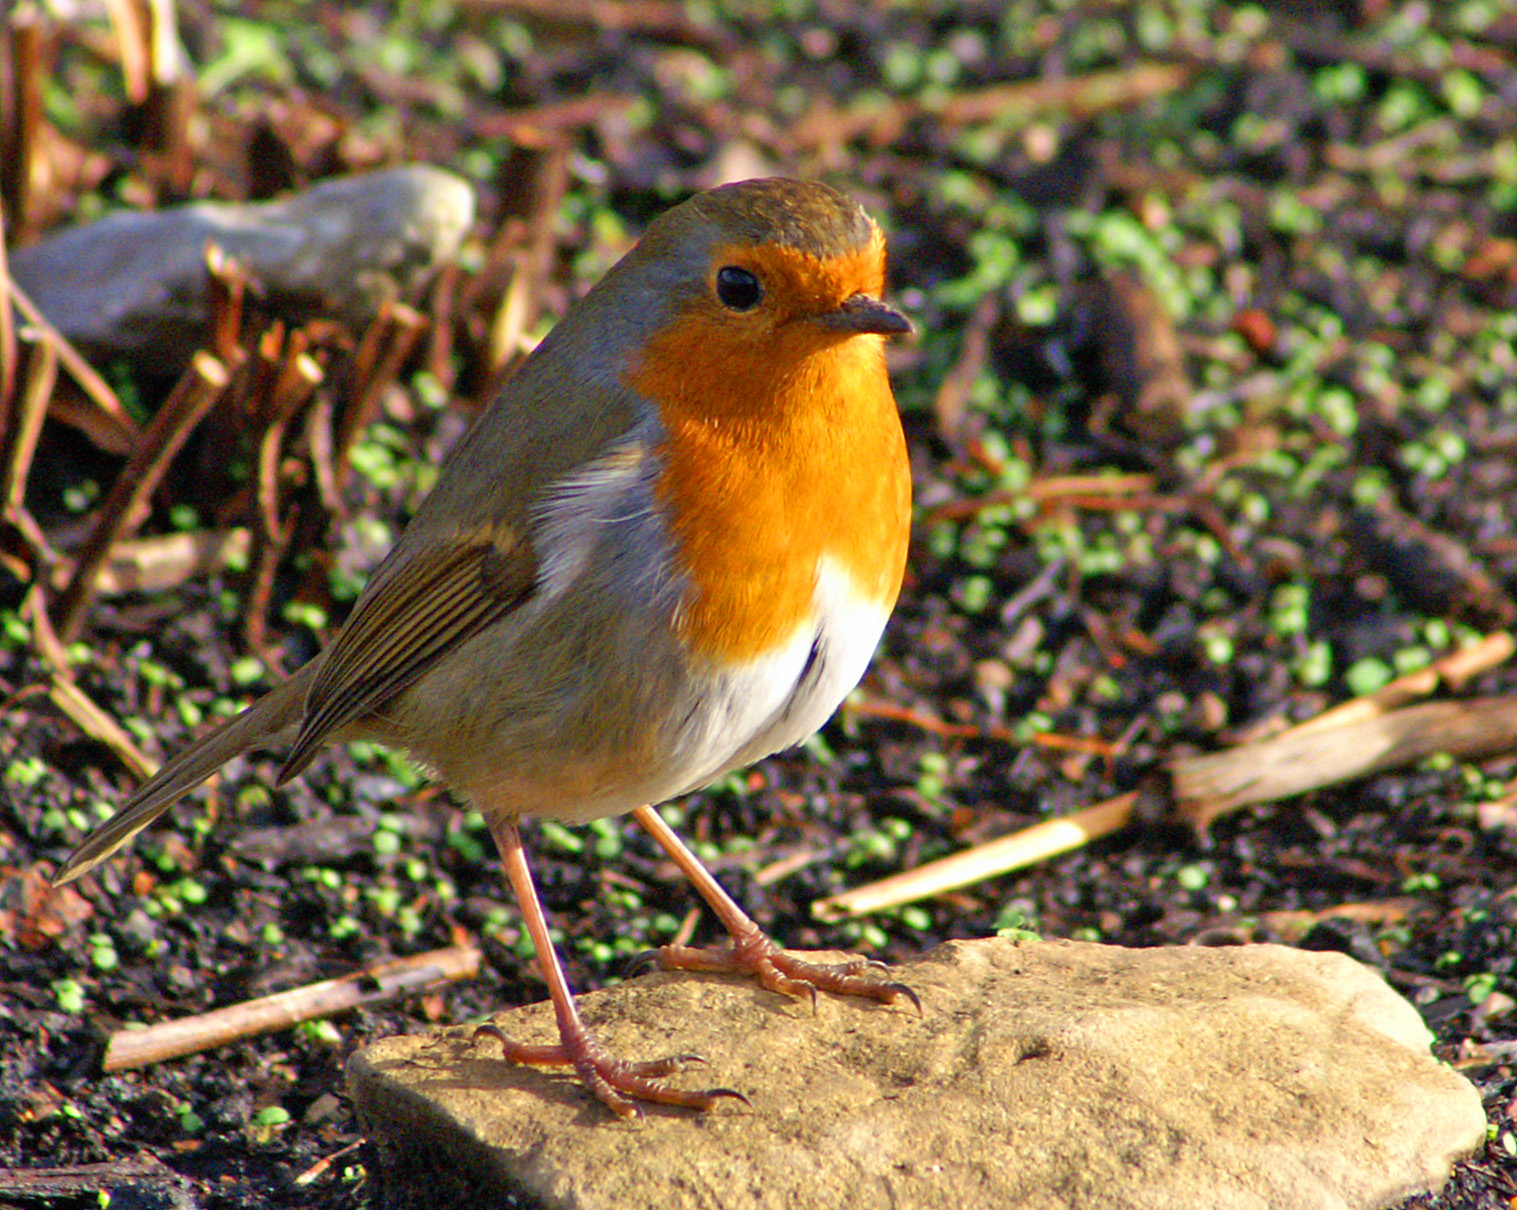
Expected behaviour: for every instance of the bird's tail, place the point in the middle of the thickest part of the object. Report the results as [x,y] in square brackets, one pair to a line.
[261,723]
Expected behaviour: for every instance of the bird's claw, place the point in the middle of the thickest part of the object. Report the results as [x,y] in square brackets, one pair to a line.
[783,972]
[618,1084]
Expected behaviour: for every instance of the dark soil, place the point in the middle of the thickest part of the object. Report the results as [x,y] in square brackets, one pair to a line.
[1273,283]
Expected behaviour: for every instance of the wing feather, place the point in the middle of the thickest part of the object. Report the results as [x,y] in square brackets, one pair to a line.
[434,600]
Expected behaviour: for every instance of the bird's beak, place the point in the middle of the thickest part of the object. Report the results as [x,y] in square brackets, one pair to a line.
[865,313]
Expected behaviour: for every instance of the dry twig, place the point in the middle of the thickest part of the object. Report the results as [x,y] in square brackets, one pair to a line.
[145,1174]
[1356,738]
[100,726]
[19,141]
[952,399]
[1080,97]
[381,353]
[163,561]
[8,351]
[293,383]
[109,414]
[1350,740]
[190,399]
[1037,843]
[21,426]
[1213,784]
[130,1048]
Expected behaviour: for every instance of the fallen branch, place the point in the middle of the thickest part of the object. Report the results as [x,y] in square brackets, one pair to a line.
[1350,740]
[659,19]
[1454,670]
[8,350]
[1291,926]
[881,122]
[20,140]
[1098,493]
[141,1180]
[1041,841]
[22,427]
[1300,760]
[923,720]
[952,401]
[1356,738]
[164,561]
[109,414]
[289,385]
[325,1164]
[180,413]
[100,726]
[130,1048]
[381,353]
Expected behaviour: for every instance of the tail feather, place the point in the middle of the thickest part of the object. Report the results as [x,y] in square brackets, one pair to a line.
[277,711]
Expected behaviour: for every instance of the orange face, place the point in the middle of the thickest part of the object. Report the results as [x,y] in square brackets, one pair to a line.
[784,447]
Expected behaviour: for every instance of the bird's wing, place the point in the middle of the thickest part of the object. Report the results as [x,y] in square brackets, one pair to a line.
[426,604]
[429,602]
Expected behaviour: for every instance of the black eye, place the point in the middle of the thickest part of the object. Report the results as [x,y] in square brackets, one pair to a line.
[737,288]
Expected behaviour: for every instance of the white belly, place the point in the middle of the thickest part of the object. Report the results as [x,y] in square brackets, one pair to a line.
[784,697]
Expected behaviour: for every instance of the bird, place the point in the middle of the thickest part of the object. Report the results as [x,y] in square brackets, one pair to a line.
[667,549]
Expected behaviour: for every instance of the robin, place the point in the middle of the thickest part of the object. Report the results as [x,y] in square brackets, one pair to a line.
[666,550]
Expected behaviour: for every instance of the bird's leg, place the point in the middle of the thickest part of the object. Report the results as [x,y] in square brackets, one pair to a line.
[618,1084]
[751,951]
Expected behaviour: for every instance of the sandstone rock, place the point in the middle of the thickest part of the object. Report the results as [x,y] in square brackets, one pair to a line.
[1041,1075]
[134,284]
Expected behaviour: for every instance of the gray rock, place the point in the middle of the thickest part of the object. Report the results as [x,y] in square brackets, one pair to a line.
[134,284]
[1042,1075]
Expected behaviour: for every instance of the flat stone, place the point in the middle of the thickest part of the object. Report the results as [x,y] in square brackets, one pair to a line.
[135,285]
[1043,1075]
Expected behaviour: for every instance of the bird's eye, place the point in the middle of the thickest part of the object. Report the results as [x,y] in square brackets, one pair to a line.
[738,289]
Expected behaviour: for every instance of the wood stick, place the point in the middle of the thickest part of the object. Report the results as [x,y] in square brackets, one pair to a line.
[1103,493]
[141,1180]
[1454,670]
[133,45]
[380,355]
[537,125]
[228,285]
[953,392]
[22,427]
[95,388]
[171,97]
[1041,841]
[8,350]
[164,560]
[1350,740]
[1213,784]
[100,726]
[21,141]
[181,411]
[881,122]
[130,1048]
[652,18]
[293,383]
[324,1165]
[1293,925]
[1459,667]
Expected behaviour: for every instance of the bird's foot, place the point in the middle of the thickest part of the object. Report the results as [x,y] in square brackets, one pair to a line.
[616,1083]
[781,971]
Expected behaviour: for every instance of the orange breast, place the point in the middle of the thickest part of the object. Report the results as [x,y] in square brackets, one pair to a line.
[776,456]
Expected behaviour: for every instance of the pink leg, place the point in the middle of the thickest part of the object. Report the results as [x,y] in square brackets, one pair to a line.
[618,1084]
[751,952]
